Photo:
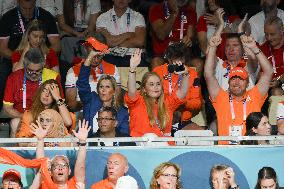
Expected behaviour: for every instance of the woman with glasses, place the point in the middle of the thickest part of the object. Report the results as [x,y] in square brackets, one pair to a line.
[46,97]
[35,37]
[106,95]
[166,176]
[267,178]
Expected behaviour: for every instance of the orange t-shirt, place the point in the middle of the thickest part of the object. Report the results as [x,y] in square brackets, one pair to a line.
[193,97]
[104,184]
[139,121]
[253,103]
[71,184]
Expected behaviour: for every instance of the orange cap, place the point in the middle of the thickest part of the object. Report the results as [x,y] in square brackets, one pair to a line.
[12,172]
[96,44]
[239,72]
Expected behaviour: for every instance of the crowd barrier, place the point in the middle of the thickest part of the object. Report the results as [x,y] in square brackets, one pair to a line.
[195,161]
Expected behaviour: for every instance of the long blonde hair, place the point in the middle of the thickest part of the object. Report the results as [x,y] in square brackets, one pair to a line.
[163,115]
[159,172]
[35,25]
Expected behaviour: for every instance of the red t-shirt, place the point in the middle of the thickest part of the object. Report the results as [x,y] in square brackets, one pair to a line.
[139,121]
[202,27]
[51,58]
[274,55]
[14,88]
[157,12]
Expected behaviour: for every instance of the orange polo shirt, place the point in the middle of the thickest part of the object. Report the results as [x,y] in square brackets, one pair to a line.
[193,99]
[254,102]
[104,184]
[139,121]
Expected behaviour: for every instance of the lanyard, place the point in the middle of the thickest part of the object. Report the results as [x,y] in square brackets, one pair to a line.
[168,76]
[273,59]
[182,18]
[25,90]
[228,68]
[233,110]
[22,26]
[127,22]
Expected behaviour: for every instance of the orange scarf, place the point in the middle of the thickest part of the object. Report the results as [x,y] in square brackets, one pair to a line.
[11,158]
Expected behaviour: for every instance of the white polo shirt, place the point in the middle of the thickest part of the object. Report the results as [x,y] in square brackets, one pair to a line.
[222,76]
[118,25]
[257,25]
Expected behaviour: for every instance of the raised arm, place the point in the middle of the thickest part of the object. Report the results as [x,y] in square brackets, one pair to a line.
[210,65]
[267,71]
[80,165]
[182,90]
[40,134]
[134,62]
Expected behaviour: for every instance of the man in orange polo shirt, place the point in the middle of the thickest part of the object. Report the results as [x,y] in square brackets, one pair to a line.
[117,166]
[233,106]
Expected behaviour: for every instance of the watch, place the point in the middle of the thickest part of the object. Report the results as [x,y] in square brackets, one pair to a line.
[60,102]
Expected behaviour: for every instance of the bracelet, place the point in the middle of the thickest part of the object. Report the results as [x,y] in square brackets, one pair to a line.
[236,187]
[81,144]
[256,53]
[60,102]
[134,71]
[185,74]
[242,33]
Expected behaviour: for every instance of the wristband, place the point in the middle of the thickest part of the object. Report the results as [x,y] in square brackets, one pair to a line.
[256,53]
[134,71]
[82,144]
[185,74]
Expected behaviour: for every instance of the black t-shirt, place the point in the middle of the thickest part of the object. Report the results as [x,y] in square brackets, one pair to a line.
[10,25]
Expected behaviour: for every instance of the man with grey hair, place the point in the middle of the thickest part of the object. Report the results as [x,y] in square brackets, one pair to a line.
[269,9]
[22,85]
[273,48]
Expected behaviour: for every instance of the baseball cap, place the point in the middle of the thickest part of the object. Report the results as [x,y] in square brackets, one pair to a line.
[13,172]
[239,72]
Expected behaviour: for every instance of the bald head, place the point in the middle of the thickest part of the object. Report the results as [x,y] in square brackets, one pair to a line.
[117,166]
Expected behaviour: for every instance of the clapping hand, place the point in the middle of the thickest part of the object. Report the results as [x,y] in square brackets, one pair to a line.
[82,133]
[248,41]
[242,24]
[220,13]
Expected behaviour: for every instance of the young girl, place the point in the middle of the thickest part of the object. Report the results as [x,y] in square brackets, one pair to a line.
[150,111]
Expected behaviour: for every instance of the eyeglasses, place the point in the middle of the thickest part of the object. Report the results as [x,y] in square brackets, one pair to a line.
[29,71]
[108,119]
[59,166]
[170,175]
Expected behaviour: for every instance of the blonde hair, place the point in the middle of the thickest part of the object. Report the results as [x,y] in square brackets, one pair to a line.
[158,171]
[35,25]
[163,116]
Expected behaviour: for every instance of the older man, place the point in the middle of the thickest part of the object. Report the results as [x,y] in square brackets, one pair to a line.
[11,179]
[257,21]
[233,106]
[22,85]
[117,166]
[273,48]
[60,165]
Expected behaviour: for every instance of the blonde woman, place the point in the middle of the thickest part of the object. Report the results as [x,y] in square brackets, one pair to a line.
[166,176]
[34,37]
[150,111]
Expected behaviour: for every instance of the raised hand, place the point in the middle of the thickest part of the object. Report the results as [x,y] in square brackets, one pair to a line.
[248,41]
[83,131]
[211,19]
[38,130]
[135,59]
[220,13]
[215,40]
[242,24]
[54,91]
[180,63]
